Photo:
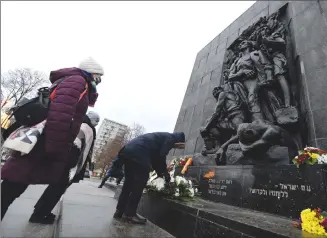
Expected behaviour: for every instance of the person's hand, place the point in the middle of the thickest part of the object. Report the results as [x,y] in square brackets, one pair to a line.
[250,74]
[220,156]
[179,145]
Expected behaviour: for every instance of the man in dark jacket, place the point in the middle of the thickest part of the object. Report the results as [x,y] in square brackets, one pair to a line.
[139,156]
[116,171]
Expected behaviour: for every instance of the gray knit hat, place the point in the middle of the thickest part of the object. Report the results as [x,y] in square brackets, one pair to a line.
[94,117]
[91,66]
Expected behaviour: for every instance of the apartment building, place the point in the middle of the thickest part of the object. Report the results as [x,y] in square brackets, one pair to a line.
[107,131]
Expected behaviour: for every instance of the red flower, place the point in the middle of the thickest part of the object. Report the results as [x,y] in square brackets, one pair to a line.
[315,150]
[301,158]
[317,211]
[324,223]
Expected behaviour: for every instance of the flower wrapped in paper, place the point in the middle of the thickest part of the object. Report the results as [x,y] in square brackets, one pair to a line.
[310,155]
[313,221]
[178,188]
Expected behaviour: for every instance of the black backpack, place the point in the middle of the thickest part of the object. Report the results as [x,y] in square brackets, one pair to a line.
[30,112]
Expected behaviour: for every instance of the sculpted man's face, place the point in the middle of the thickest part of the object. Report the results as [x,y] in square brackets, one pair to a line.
[244,45]
[217,91]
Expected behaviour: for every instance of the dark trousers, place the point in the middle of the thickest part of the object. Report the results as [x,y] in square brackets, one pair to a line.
[51,195]
[136,177]
[104,180]
[9,192]
[49,199]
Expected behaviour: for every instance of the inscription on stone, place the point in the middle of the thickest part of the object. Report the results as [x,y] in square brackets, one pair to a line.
[283,191]
[219,187]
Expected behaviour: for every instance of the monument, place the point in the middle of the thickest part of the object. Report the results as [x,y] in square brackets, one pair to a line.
[257,94]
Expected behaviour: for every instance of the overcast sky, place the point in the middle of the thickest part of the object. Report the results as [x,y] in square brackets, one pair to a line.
[147,49]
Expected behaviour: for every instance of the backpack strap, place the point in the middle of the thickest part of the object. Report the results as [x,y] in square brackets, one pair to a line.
[53,93]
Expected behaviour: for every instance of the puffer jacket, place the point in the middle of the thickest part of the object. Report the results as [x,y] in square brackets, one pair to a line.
[48,162]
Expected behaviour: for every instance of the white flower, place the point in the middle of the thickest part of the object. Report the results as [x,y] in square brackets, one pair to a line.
[322,159]
[191,190]
[190,183]
[180,179]
[196,190]
[176,192]
[159,183]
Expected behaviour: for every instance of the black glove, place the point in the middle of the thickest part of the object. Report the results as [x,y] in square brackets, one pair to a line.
[167,177]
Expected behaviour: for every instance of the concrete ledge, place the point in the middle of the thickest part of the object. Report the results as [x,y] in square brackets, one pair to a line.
[58,213]
[16,224]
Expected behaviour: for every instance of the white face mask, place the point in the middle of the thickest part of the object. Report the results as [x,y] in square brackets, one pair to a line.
[95,121]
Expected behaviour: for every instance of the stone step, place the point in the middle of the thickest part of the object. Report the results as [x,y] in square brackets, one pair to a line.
[15,222]
[200,218]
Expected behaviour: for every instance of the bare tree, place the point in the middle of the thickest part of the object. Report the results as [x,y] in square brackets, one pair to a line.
[111,149]
[22,82]
[134,131]
[109,152]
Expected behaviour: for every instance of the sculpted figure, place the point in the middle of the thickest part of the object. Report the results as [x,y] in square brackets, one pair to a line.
[257,137]
[229,114]
[252,69]
[276,46]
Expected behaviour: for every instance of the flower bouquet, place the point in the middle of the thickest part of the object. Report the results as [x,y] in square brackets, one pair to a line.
[180,162]
[310,155]
[178,188]
[177,162]
[313,221]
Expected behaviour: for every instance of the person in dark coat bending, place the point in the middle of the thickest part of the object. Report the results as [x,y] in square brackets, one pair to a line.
[139,156]
[116,171]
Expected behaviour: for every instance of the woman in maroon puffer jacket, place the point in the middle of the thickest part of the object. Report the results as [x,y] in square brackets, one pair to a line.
[49,160]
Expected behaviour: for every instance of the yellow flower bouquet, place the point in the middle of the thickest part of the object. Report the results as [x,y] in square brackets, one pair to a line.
[313,221]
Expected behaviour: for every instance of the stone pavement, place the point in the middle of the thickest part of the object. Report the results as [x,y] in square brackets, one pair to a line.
[87,212]
[84,211]
[15,222]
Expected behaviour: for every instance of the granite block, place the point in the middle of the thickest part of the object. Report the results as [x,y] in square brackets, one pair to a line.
[286,189]
[320,121]
[208,229]
[214,60]
[317,87]
[199,144]
[222,46]
[206,79]
[214,44]
[224,187]
[205,51]
[316,57]
[216,76]
[322,143]
[296,8]
[309,30]
[190,146]
[275,5]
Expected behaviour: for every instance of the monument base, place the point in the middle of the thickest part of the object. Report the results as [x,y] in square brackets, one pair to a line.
[240,201]
[201,219]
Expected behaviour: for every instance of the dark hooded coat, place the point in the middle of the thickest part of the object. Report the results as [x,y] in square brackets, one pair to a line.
[150,150]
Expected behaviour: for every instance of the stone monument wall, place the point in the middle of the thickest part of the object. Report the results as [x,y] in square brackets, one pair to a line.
[306,38]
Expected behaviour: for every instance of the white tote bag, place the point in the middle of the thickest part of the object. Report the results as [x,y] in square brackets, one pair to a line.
[24,138]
